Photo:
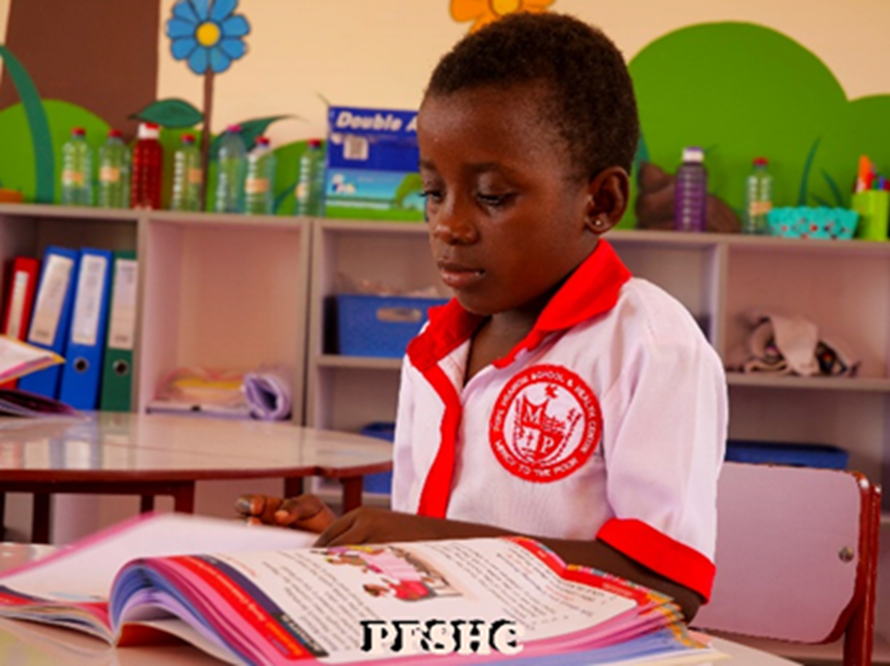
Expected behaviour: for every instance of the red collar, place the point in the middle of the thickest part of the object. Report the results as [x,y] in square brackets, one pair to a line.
[592,289]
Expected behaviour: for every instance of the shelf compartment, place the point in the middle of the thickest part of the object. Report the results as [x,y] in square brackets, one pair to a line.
[847,298]
[222,292]
[27,230]
[692,272]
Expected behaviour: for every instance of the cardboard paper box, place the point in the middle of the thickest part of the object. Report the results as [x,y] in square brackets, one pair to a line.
[372,165]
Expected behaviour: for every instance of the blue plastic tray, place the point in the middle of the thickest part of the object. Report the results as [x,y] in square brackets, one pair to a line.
[786,453]
[379,326]
[382,482]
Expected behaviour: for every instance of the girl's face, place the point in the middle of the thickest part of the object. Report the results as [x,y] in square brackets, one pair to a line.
[507,219]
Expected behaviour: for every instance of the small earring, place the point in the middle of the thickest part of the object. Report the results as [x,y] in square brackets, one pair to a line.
[599,223]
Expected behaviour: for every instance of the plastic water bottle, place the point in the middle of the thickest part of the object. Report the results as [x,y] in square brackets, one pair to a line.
[310,188]
[758,198]
[148,159]
[259,195]
[691,191]
[231,171]
[114,173]
[188,176]
[77,170]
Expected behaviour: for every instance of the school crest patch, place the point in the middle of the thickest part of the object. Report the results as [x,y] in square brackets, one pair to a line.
[545,424]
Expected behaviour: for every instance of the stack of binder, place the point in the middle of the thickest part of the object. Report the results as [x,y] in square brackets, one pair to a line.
[84,309]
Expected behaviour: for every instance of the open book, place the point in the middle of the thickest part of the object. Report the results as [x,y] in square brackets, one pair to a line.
[258,595]
[17,359]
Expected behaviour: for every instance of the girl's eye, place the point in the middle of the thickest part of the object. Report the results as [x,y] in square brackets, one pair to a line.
[432,195]
[494,200]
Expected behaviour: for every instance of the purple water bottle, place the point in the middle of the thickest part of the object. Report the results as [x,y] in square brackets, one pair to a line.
[691,191]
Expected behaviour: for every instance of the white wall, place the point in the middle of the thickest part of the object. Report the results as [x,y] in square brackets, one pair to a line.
[380,52]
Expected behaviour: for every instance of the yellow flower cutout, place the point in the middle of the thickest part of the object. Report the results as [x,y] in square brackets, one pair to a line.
[482,12]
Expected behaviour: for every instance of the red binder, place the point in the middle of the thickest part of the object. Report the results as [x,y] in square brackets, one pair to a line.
[19,300]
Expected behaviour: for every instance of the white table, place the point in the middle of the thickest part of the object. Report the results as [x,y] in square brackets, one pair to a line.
[147,455]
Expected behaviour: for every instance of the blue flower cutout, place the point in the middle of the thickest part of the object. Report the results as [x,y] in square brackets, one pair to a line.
[207,33]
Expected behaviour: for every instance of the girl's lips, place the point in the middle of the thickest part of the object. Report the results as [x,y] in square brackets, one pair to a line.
[459,277]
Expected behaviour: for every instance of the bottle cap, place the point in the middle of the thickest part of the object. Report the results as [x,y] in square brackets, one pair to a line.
[188,138]
[262,141]
[761,161]
[233,128]
[114,134]
[78,131]
[693,154]
[314,143]
[148,131]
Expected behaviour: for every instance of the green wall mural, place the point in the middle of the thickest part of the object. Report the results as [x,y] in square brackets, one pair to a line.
[741,91]
[37,131]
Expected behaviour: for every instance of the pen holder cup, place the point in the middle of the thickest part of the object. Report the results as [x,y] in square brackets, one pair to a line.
[873,207]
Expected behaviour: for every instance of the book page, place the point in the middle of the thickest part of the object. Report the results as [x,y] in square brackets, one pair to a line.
[19,358]
[314,601]
[84,571]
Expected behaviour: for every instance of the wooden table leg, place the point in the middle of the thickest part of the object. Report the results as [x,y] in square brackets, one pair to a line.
[184,497]
[3,514]
[146,503]
[40,520]
[293,487]
[352,492]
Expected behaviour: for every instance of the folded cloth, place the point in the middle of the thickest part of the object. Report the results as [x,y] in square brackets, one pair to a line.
[790,344]
[791,337]
[269,394]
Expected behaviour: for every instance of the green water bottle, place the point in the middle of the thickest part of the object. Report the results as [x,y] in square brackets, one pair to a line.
[188,176]
[310,188]
[231,172]
[758,198]
[77,170]
[114,173]
[259,196]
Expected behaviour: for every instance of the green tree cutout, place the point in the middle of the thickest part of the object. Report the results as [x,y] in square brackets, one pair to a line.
[741,102]
[44,158]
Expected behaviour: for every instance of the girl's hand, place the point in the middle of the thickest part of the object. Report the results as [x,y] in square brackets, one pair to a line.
[373,525]
[306,512]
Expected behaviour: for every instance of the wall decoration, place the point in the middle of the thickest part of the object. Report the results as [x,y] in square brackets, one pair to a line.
[101,55]
[38,128]
[209,36]
[482,12]
[757,93]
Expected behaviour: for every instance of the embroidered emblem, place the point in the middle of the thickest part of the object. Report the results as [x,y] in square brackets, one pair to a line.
[546,423]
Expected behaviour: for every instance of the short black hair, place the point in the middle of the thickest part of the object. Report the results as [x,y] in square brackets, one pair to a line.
[589,95]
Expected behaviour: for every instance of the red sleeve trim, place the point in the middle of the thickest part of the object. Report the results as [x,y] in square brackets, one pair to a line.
[659,552]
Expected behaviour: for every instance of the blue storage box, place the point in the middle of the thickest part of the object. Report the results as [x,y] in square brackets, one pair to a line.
[382,482]
[786,453]
[380,326]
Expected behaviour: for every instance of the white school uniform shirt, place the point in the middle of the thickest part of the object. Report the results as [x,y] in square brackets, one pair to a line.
[608,421]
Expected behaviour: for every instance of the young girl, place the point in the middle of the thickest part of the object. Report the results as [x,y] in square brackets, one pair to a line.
[555,396]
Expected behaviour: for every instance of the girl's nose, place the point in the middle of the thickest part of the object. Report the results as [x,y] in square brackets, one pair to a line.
[452,223]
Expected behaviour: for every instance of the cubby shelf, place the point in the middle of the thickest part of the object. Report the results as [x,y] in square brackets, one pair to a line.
[239,291]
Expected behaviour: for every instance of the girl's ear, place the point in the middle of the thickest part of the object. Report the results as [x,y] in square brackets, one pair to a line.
[608,193]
